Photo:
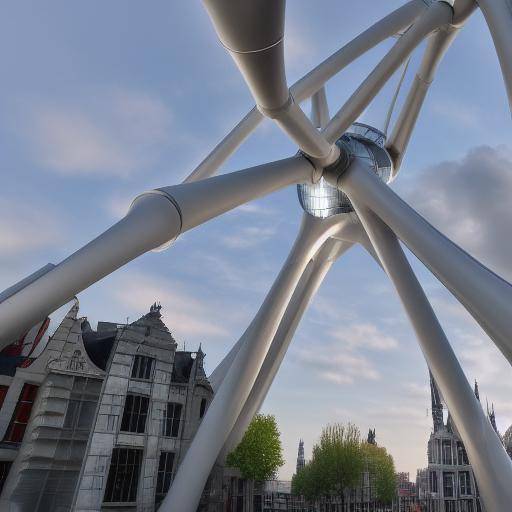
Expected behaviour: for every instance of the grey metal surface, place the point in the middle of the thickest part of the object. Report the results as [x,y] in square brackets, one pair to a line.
[491,464]
[486,296]
[153,219]
[437,15]
[234,390]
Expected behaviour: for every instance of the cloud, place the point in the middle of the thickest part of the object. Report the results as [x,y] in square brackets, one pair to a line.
[469,201]
[364,335]
[337,365]
[114,133]
[247,237]
[25,227]
[187,315]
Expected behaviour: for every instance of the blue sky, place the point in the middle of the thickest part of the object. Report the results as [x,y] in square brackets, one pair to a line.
[103,100]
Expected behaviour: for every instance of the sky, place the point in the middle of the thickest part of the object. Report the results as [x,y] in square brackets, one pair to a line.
[101,101]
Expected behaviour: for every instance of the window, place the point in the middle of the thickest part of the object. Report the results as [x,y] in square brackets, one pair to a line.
[80,415]
[163,481]
[433,481]
[123,476]
[172,419]
[135,414]
[448,486]
[142,367]
[21,415]
[3,394]
[466,506]
[462,456]
[202,409]
[5,466]
[447,451]
[256,503]
[465,482]
[450,506]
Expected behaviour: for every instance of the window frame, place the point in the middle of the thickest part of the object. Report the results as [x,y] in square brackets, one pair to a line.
[135,403]
[446,443]
[143,364]
[464,475]
[170,429]
[128,489]
[449,476]
[30,390]
[164,475]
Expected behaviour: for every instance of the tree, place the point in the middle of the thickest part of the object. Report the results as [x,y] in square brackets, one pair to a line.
[381,467]
[260,454]
[338,463]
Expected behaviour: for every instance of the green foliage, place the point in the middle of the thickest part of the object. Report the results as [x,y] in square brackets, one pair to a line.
[338,462]
[259,455]
[381,467]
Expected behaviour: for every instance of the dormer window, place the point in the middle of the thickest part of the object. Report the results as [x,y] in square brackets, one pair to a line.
[143,367]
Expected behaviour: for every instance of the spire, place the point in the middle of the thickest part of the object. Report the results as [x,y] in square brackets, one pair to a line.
[477,394]
[437,406]
[371,437]
[301,461]
[492,417]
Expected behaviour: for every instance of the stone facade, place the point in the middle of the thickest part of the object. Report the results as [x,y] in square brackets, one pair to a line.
[114,412]
[448,483]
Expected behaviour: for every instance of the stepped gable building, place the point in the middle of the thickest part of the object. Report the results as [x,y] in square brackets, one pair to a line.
[448,483]
[100,419]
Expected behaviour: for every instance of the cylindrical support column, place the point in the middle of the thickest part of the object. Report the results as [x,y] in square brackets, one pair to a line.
[388,26]
[484,294]
[490,462]
[498,15]
[154,218]
[253,33]
[309,283]
[397,143]
[394,22]
[319,109]
[437,15]
[227,404]
[151,221]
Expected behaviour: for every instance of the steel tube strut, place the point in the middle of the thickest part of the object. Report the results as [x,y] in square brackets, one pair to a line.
[319,109]
[309,283]
[153,219]
[498,15]
[394,22]
[253,33]
[404,126]
[485,295]
[227,403]
[490,461]
[437,15]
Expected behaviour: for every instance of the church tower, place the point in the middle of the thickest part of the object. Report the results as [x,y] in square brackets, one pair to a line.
[301,461]
[437,406]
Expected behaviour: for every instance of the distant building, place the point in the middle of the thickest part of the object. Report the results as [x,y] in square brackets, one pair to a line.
[301,461]
[448,483]
[101,419]
[406,500]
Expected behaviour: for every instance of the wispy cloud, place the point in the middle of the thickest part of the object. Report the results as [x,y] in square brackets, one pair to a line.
[337,365]
[249,236]
[187,315]
[114,133]
[364,335]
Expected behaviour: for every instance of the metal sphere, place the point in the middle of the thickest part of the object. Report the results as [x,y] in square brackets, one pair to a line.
[362,142]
